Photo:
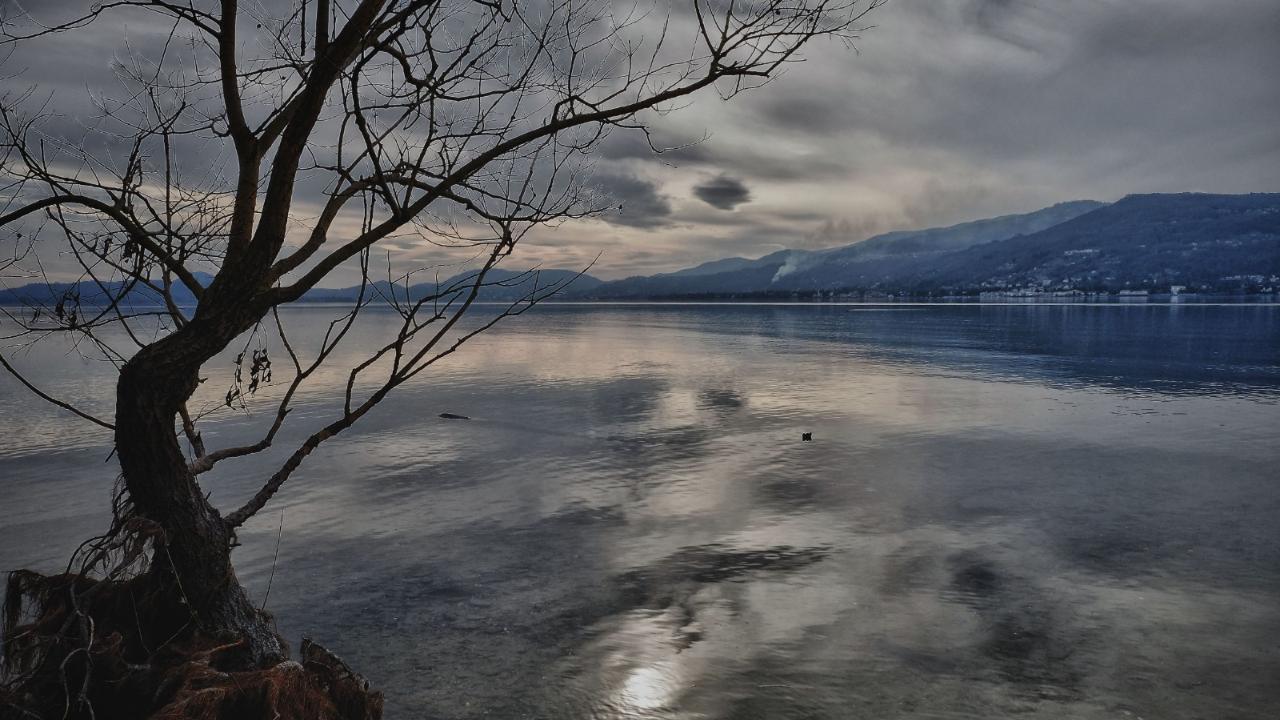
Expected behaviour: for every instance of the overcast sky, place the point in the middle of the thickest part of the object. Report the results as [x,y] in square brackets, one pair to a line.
[949,110]
[953,110]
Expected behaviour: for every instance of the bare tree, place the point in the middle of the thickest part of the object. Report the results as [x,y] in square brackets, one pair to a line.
[464,123]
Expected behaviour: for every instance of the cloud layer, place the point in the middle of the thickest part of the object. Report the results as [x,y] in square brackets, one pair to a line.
[944,112]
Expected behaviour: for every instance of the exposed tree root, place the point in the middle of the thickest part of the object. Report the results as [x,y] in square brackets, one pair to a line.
[97,649]
[125,645]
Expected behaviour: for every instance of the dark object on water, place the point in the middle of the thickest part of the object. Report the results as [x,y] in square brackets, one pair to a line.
[451,416]
[806,437]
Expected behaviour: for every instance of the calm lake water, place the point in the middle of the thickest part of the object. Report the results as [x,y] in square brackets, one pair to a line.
[1032,511]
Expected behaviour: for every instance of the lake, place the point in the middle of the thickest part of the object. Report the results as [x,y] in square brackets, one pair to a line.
[1043,511]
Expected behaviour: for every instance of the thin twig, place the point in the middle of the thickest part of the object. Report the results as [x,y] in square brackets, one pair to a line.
[274,560]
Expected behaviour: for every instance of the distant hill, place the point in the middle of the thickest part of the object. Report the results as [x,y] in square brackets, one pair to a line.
[1217,243]
[90,293]
[1208,243]
[864,263]
[501,286]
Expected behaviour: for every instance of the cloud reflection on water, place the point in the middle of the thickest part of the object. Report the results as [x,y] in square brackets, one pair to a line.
[1051,512]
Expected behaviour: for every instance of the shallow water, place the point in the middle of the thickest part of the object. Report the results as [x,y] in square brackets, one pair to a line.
[1055,512]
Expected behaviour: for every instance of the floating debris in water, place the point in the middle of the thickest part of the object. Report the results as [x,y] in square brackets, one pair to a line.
[451,416]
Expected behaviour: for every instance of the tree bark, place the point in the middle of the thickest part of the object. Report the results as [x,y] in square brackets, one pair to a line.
[193,557]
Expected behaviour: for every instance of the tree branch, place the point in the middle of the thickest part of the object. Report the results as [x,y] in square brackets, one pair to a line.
[136,233]
[49,398]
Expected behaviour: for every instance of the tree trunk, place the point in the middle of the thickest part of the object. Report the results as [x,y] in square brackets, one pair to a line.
[193,558]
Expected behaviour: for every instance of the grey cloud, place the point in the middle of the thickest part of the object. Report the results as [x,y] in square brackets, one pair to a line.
[800,216]
[813,113]
[722,152]
[834,232]
[807,166]
[632,145]
[636,202]
[987,13]
[1036,80]
[723,192]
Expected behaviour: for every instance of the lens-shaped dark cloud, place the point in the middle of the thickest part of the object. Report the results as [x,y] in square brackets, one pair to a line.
[723,192]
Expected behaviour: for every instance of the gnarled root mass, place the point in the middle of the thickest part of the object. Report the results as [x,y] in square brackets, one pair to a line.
[76,647]
[115,640]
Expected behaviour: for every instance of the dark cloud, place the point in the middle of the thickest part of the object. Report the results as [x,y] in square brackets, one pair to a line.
[810,113]
[723,192]
[635,202]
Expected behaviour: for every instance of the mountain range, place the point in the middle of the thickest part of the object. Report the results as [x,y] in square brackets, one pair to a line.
[1188,242]
[1208,243]
[500,286]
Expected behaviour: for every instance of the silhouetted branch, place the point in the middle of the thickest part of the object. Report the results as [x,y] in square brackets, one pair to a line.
[49,398]
[462,124]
